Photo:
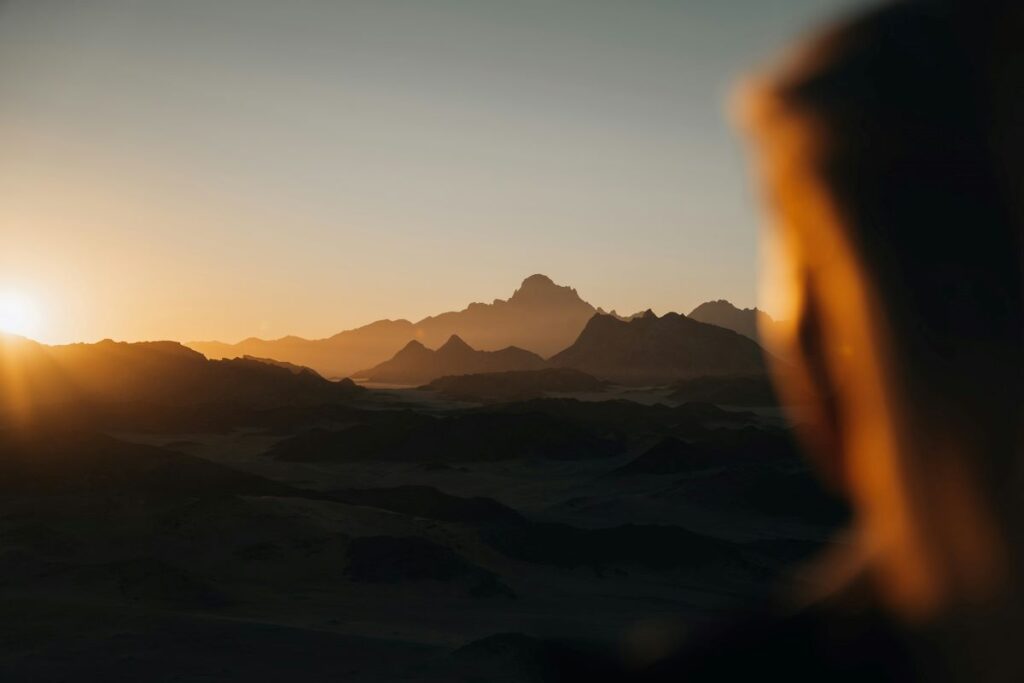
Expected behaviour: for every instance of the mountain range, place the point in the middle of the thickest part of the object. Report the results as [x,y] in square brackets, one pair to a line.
[540,316]
[644,349]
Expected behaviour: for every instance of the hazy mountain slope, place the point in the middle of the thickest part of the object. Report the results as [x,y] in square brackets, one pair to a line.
[416,364]
[746,321]
[539,316]
[336,356]
[649,349]
[35,376]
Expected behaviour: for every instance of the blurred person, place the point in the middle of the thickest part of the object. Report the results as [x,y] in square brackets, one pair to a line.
[889,149]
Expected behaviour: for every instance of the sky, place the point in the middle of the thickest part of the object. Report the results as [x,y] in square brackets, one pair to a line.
[217,170]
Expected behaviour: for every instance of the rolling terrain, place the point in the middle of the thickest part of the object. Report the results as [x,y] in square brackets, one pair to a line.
[520,540]
[504,517]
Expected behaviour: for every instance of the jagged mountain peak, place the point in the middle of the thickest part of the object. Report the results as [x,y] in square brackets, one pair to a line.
[542,289]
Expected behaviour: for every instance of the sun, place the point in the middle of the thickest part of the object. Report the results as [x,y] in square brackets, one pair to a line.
[18,314]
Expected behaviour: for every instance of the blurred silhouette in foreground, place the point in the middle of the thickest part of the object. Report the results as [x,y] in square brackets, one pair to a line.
[890,150]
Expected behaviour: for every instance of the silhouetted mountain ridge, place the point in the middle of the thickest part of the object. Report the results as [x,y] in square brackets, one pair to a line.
[746,321]
[158,373]
[416,364]
[649,349]
[540,316]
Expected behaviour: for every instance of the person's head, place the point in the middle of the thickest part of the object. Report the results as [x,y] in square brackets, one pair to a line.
[891,153]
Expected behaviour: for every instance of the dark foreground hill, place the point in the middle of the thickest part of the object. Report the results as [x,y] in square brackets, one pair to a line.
[39,378]
[515,385]
[72,462]
[652,350]
[416,364]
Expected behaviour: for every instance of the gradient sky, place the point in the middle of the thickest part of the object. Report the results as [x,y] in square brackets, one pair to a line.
[198,169]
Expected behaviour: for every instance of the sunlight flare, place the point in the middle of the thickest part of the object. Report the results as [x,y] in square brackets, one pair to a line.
[19,314]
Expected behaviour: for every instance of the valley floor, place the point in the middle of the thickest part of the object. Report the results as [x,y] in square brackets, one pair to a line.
[408,539]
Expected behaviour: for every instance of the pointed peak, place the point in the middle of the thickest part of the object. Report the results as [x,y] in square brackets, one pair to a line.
[455,342]
[413,345]
[647,315]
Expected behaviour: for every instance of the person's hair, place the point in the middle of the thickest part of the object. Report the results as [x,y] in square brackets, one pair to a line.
[917,115]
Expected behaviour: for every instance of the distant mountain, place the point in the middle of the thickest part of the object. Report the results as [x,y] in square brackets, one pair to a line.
[36,376]
[540,316]
[337,356]
[515,385]
[747,321]
[653,350]
[416,364]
